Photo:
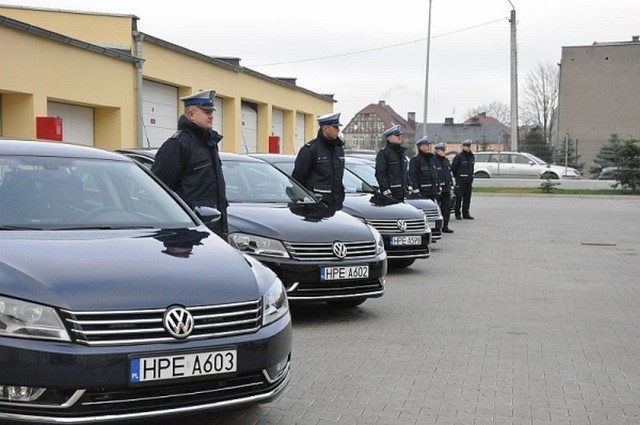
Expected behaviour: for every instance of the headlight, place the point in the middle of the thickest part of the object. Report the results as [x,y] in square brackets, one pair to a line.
[275,303]
[28,320]
[378,238]
[257,245]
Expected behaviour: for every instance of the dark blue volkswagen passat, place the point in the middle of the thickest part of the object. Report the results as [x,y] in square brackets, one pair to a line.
[405,232]
[118,303]
[320,254]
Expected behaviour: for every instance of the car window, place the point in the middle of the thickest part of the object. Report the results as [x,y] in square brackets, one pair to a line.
[251,181]
[365,171]
[482,157]
[520,159]
[505,158]
[54,192]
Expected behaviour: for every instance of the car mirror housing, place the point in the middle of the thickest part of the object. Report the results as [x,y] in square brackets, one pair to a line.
[207,214]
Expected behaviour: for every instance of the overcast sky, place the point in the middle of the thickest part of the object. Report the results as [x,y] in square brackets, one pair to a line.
[362,53]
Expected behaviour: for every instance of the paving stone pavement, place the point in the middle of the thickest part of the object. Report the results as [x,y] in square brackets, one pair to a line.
[530,314]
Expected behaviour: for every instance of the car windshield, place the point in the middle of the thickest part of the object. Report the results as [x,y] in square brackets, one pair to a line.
[40,192]
[365,171]
[260,182]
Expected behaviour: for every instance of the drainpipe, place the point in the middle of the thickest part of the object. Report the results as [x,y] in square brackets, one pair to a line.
[139,38]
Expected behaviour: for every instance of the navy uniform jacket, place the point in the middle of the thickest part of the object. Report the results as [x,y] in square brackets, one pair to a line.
[443,168]
[423,175]
[319,167]
[392,171]
[462,165]
[189,163]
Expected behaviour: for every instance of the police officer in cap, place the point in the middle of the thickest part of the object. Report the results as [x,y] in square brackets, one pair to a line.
[319,165]
[445,181]
[392,166]
[189,161]
[422,171]
[462,168]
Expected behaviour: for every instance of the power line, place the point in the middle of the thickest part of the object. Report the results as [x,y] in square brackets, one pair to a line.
[358,52]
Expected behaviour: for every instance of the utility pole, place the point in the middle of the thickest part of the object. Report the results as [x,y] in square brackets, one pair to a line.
[426,82]
[514,80]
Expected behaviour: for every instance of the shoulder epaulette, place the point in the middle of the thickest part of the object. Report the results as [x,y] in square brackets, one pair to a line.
[177,134]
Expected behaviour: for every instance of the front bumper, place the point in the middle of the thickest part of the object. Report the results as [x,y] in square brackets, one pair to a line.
[395,251]
[90,384]
[303,282]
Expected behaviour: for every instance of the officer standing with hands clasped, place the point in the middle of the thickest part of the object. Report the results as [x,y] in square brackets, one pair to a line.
[462,167]
[189,161]
[392,165]
[446,184]
[319,165]
[422,171]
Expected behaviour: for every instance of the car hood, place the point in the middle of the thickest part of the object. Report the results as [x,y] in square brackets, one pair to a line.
[116,269]
[296,223]
[367,206]
[422,203]
[560,170]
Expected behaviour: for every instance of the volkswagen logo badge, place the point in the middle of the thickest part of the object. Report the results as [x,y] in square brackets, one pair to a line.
[178,322]
[402,225]
[339,250]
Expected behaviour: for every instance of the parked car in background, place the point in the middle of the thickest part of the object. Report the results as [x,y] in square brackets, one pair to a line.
[607,173]
[366,171]
[520,165]
[319,254]
[118,303]
[406,234]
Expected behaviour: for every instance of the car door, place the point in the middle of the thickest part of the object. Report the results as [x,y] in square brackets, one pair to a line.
[525,168]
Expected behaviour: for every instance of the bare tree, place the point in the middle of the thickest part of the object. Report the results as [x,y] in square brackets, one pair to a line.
[497,110]
[539,106]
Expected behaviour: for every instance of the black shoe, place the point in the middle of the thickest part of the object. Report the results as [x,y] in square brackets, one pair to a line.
[467,217]
[446,230]
[458,217]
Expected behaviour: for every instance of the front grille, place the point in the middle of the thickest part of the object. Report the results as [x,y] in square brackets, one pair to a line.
[391,226]
[100,328]
[433,214]
[323,251]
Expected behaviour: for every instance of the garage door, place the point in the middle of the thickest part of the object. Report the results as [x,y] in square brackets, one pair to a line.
[159,112]
[277,126]
[300,130]
[77,122]
[249,129]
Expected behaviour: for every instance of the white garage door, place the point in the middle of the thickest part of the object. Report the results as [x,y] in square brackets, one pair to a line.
[159,112]
[300,130]
[77,122]
[249,129]
[277,126]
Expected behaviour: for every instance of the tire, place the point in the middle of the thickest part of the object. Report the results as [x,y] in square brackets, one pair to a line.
[401,263]
[348,303]
[482,175]
[549,175]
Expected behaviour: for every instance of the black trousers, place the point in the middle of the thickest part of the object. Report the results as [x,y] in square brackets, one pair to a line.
[463,196]
[444,200]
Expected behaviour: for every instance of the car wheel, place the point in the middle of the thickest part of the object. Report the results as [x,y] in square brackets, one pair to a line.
[401,263]
[481,175]
[549,175]
[349,303]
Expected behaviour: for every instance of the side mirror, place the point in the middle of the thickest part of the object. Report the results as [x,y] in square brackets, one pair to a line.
[207,214]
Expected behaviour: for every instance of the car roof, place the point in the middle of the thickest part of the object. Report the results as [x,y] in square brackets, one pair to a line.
[273,157]
[42,148]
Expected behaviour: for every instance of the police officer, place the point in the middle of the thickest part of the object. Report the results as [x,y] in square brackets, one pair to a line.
[189,161]
[392,166]
[422,171]
[445,182]
[319,165]
[462,168]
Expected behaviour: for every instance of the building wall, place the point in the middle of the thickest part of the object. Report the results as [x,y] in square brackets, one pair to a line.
[43,69]
[599,95]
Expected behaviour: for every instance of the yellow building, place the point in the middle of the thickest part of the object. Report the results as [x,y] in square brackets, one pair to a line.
[111,86]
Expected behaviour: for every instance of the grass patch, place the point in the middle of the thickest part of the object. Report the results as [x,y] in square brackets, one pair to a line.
[556,191]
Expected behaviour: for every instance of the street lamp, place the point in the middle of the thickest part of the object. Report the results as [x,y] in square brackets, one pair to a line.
[426,82]
[514,81]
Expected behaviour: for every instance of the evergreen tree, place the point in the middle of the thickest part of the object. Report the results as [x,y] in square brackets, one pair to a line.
[628,163]
[607,155]
[536,144]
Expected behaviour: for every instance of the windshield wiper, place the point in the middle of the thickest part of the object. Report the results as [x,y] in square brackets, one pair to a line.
[7,227]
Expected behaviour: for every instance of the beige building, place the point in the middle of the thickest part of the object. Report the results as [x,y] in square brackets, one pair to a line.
[599,95]
[111,86]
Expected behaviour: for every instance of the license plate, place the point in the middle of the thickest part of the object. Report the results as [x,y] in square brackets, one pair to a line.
[344,273]
[144,369]
[406,240]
